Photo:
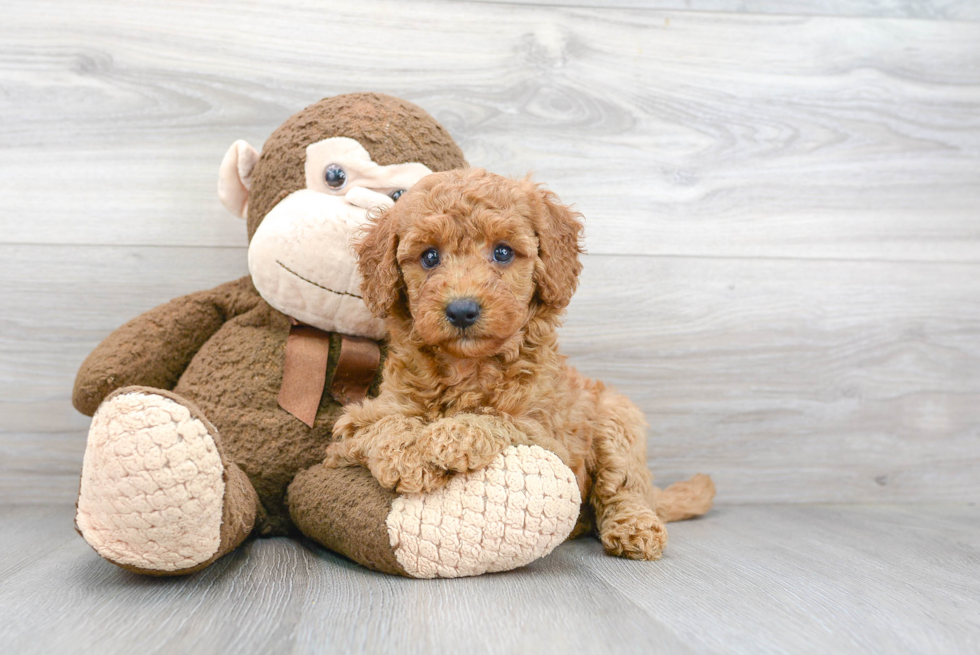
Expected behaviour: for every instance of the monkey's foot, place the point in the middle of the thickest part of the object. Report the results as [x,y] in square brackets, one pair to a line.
[155,495]
[499,518]
[514,511]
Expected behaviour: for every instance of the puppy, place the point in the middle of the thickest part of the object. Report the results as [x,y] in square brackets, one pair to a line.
[472,272]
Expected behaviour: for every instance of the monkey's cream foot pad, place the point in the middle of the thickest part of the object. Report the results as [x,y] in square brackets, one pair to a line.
[152,484]
[499,518]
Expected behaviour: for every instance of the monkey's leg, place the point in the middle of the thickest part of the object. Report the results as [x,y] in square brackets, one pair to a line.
[156,495]
[514,511]
[627,523]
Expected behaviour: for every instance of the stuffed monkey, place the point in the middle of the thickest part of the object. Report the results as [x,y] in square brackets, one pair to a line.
[212,412]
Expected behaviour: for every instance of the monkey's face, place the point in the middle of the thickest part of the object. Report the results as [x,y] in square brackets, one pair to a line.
[300,256]
[318,176]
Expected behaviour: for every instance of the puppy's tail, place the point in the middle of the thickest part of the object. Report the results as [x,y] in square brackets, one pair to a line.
[685,500]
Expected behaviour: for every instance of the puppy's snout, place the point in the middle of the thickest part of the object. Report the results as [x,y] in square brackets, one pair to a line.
[463,312]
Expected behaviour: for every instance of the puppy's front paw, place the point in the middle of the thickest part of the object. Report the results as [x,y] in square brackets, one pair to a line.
[407,477]
[634,534]
[343,453]
[460,444]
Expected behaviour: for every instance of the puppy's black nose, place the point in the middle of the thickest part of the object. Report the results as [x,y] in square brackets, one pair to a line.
[463,312]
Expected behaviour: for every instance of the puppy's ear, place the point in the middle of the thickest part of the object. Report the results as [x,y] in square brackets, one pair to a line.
[559,231]
[376,249]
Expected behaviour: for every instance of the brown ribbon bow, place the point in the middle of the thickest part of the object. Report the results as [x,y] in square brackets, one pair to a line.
[304,373]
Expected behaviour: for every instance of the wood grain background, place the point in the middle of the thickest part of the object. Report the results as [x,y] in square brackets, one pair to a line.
[782,204]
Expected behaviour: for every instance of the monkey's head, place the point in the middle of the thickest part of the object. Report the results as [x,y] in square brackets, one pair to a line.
[310,190]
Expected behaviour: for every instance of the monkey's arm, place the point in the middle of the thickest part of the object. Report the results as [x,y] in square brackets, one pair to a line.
[154,348]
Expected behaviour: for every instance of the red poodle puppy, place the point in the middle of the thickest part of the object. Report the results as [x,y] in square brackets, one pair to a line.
[472,272]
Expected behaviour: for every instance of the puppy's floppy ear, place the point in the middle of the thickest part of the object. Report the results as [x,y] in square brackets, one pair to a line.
[376,249]
[559,230]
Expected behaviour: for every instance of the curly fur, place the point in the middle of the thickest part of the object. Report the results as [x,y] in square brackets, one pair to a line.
[452,399]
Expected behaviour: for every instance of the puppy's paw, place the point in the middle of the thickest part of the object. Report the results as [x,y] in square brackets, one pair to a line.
[422,481]
[634,534]
[343,453]
[407,477]
[460,444]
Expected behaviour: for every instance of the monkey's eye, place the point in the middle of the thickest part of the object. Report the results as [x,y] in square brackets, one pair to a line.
[395,195]
[503,254]
[430,258]
[335,176]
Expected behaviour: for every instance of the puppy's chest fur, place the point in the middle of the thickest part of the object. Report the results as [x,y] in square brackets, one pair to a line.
[442,386]
[477,386]
[545,398]
[544,390]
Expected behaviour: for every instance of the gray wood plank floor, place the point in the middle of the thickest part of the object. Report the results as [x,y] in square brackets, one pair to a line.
[749,579]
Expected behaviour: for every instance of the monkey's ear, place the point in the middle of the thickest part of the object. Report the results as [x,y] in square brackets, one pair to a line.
[377,262]
[235,177]
[559,231]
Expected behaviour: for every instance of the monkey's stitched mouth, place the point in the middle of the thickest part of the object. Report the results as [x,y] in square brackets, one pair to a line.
[317,285]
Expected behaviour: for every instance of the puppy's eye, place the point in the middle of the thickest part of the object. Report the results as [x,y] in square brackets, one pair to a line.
[335,176]
[503,254]
[430,258]
[395,195]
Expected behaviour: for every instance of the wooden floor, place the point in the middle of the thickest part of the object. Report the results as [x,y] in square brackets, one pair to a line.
[745,579]
[782,201]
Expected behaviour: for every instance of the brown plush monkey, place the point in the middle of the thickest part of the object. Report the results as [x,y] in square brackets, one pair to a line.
[212,412]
